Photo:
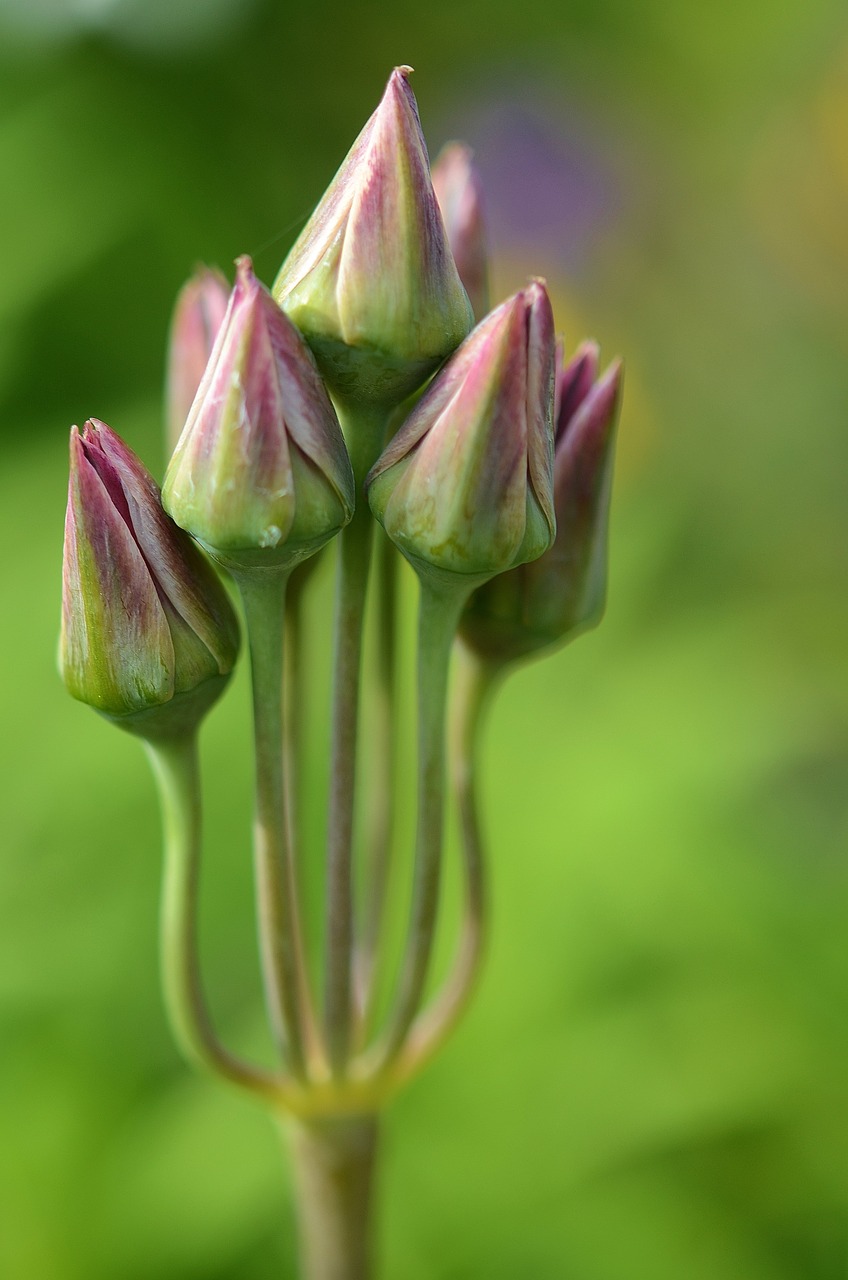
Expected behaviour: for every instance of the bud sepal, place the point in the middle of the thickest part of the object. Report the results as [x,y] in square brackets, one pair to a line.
[465,487]
[370,281]
[261,476]
[148,634]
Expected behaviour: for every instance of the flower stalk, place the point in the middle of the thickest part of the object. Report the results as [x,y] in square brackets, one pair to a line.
[364,430]
[352,393]
[281,946]
[175,768]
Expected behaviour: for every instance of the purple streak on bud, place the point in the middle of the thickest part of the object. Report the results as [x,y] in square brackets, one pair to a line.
[198,314]
[261,474]
[144,617]
[372,271]
[574,382]
[466,484]
[563,592]
[459,191]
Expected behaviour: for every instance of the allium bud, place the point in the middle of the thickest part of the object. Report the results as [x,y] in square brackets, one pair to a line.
[370,281]
[459,190]
[261,475]
[148,633]
[198,314]
[466,484]
[562,593]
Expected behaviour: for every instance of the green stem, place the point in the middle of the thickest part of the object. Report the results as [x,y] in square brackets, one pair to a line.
[383,770]
[364,434]
[334,1175]
[293,711]
[175,767]
[474,690]
[283,967]
[438,616]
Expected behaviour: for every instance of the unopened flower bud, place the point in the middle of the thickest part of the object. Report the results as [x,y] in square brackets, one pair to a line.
[261,475]
[459,190]
[370,281]
[466,485]
[562,593]
[148,633]
[198,314]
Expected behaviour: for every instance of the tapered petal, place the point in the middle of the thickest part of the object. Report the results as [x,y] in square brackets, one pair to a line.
[144,618]
[261,466]
[198,314]
[459,191]
[371,281]
[465,485]
[562,593]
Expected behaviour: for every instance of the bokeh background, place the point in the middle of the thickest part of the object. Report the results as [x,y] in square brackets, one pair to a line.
[653,1082]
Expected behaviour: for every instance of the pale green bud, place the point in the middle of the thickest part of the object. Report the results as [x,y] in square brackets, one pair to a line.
[261,475]
[371,282]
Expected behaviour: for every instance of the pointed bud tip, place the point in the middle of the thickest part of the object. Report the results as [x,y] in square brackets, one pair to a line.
[590,351]
[609,384]
[244,268]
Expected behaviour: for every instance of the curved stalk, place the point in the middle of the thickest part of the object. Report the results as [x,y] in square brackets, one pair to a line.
[175,767]
[430,1030]
[438,616]
[364,434]
[281,949]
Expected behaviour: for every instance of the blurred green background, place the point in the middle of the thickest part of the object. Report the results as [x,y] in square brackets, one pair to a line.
[653,1082]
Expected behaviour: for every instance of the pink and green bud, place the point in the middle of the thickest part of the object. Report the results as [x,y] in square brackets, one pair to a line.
[371,281]
[198,315]
[465,486]
[260,476]
[459,191]
[562,593]
[148,633]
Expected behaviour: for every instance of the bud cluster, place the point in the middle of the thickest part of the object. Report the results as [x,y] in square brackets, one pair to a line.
[353,400]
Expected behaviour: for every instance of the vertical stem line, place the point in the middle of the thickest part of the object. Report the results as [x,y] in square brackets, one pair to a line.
[438,616]
[382,797]
[293,706]
[334,1163]
[475,686]
[364,435]
[281,951]
[175,767]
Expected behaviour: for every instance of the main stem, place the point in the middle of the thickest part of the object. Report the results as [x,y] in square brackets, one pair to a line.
[334,1174]
[175,767]
[438,616]
[364,433]
[283,969]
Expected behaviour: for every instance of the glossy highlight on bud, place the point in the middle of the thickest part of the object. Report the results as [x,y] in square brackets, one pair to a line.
[198,314]
[459,191]
[371,281]
[260,475]
[562,593]
[146,625]
[466,485]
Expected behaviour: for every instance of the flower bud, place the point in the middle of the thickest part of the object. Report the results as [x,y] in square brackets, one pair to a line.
[198,313]
[261,475]
[370,281]
[465,485]
[562,593]
[459,191]
[148,633]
